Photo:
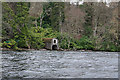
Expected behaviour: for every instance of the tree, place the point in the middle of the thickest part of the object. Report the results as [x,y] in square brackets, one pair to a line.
[53,13]
[16,20]
[88,19]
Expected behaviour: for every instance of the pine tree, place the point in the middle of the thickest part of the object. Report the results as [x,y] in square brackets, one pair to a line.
[53,14]
[88,19]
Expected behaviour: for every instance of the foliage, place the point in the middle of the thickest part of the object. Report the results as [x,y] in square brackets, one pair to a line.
[10,44]
[21,31]
[53,15]
[16,18]
[67,42]
[64,40]
[34,37]
[1,44]
[118,48]
[108,46]
[37,34]
[88,19]
[85,43]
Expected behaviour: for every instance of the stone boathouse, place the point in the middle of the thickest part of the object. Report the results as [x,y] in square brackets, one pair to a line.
[51,43]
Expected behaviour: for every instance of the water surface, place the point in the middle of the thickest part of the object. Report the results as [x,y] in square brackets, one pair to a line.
[59,64]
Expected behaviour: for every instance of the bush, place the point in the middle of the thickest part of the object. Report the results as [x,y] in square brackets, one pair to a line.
[67,42]
[85,43]
[64,41]
[108,46]
[1,44]
[36,43]
[11,44]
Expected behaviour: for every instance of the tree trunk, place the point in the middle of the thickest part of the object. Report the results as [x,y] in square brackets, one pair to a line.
[27,44]
[41,19]
[95,28]
[60,22]
[36,22]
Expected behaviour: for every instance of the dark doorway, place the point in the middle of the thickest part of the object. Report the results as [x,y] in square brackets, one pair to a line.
[54,47]
[54,41]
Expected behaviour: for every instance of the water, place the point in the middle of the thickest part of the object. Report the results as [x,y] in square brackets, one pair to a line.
[59,64]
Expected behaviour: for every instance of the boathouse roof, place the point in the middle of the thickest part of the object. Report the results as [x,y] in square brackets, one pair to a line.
[48,39]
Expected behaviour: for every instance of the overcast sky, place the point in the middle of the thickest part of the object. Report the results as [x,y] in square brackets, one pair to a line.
[80,2]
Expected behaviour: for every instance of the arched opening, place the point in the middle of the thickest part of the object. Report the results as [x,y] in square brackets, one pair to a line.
[54,47]
[54,41]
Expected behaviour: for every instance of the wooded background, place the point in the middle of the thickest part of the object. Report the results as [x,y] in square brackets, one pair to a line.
[91,26]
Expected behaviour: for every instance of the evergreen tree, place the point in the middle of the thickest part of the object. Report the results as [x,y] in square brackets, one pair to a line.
[88,19]
[16,17]
[53,15]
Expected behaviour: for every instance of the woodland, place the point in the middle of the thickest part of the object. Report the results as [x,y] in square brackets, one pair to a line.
[91,26]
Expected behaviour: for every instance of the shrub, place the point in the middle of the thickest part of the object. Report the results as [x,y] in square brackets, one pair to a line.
[108,46]
[67,42]
[85,43]
[64,40]
[10,44]
[1,44]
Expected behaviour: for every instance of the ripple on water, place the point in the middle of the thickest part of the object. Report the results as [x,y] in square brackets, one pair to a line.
[62,64]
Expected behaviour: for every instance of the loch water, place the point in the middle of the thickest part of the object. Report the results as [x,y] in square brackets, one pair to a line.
[59,64]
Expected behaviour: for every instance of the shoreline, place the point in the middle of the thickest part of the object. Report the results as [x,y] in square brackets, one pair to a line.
[23,49]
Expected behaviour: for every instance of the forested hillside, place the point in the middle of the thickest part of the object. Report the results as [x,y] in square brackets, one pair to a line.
[91,26]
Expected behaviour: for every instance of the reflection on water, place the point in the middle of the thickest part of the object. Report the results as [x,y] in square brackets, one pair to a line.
[62,64]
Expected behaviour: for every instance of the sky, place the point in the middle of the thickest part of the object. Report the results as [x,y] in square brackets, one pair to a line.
[80,2]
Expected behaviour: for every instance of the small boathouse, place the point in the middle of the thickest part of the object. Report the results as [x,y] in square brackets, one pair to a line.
[51,43]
